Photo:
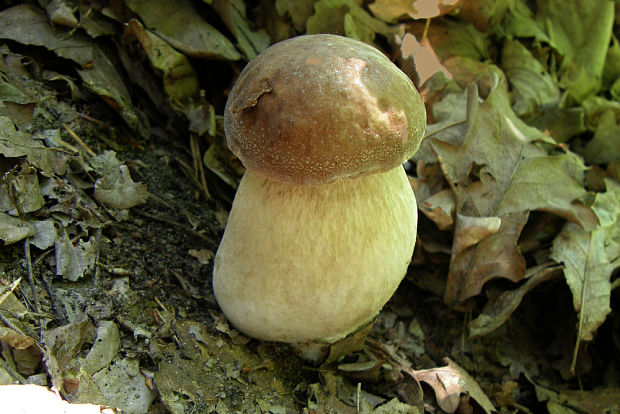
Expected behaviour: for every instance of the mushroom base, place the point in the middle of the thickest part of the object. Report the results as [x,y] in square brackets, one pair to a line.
[314,263]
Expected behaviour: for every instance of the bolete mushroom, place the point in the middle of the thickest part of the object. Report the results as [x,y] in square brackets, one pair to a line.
[323,225]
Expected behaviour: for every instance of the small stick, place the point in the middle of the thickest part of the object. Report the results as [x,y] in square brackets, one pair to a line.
[79,140]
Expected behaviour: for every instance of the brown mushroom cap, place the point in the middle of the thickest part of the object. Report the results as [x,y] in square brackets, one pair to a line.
[316,108]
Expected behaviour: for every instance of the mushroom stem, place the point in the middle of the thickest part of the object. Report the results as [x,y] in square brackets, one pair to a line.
[314,263]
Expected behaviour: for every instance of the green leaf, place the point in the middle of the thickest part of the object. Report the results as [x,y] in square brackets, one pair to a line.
[453,38]
[180,25]
[532,86]
[345,17]
[179,78]
[232,13]
[520,22]
[604,147]
[580,31]
[298,10]
[589,258]
[560,123]
[611,70]
[391,10]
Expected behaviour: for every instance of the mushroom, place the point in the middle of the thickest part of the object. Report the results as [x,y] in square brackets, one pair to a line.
[323,225]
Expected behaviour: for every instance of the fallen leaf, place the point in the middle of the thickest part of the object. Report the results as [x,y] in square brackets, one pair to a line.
[179,78]
[604,147]
[15,143]
[45,235]
[498,310]
[72,262]
[600,401]
[15,339]
[391,10]
[204,256]
[532,87]
[121,384]
[14,229]
[449,383]
[440,208]
[345,17]
[20,191]
[116,188]
[179,24]
[484,14]
[104,350]
[520,21]
[453,38]
[501,171]
[298,10]
[589,258]
[580,30]
[232,13]
[28,25]
[470,231]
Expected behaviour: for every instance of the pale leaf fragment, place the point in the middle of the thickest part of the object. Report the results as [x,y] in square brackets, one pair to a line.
[470,231]
[449,383]
[72,262]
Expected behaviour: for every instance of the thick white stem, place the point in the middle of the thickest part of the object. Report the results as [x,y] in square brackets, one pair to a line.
[314,263]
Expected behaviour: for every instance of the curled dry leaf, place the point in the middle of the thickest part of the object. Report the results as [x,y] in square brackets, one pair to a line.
[498,310]
[116,188]
[449,383]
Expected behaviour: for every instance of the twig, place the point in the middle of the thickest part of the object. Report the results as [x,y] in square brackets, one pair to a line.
[79,140]
[199,171]
[91,119]
[35,295]
[10,324]
[96,278]
[426,26]
[161,304]
[6,291]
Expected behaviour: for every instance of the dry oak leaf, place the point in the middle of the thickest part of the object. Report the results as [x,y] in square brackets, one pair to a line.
[501,172]
[449,383]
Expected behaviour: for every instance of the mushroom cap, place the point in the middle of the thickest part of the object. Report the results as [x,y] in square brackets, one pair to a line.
[316,108]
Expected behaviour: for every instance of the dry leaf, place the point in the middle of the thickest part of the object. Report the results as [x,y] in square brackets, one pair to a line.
[500,171]
[449,383]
